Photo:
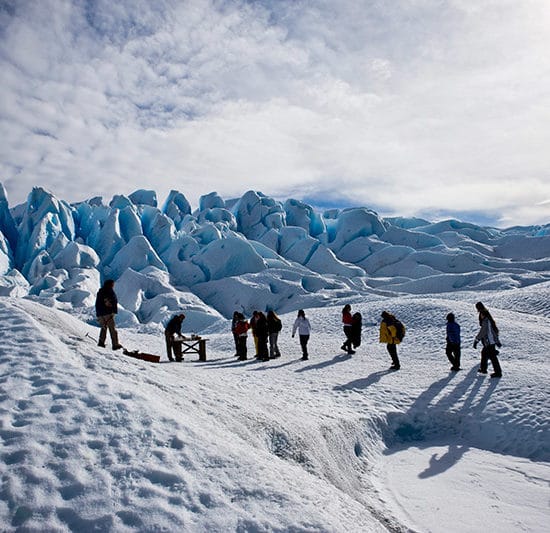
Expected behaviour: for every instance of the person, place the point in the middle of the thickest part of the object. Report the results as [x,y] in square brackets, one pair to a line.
[488,335]
[453,342]
[174,328]
[347,320]
[262,334]
[274,325]
[356,328]
[252,324]
[106,307]
[241,330]
[304,330]
[388,335]
[235,336]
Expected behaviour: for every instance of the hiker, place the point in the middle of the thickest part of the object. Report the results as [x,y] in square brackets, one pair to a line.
[252,324]
[453,342]
[356,328]
[304,329]
[106,307]
[274,325]
[488,335]
[241,330]
[174,328]
[390,335]
[262,334]
[234,321]
[347,320]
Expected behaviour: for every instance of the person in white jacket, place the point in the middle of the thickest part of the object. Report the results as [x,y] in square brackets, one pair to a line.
[488,335]
[304,329]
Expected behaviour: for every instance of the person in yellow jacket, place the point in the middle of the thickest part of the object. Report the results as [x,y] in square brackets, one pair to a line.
[389,335]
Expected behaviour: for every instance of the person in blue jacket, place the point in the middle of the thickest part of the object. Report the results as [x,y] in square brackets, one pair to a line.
[453,342]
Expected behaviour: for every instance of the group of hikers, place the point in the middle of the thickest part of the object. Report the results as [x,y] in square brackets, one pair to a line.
[265,329]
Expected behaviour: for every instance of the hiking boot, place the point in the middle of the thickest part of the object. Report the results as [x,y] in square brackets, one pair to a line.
[101,344]
[117,346]
[482,371]
[394,367]
[351,352]
[495,375]
[344,347]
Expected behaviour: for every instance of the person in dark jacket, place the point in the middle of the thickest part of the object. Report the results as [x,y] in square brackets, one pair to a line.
[234,322]
[488,335]
[106,307]
[274,325]
[356,327]
[252,324]
[347,321]
[174,328]
[262,334]
[453,342]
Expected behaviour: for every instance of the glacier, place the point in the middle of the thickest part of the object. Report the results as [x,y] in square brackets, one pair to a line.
[252,252]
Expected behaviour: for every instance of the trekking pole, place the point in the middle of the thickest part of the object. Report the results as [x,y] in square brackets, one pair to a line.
[90,337]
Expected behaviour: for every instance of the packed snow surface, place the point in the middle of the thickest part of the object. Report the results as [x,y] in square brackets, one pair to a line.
[93,440]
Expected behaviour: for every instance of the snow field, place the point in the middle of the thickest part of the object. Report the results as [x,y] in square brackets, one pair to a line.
[96,440]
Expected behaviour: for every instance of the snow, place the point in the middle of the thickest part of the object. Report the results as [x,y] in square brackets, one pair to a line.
[95,440]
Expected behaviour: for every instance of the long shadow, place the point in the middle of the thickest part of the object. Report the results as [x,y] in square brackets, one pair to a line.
[323,364]
[424,408]
[363,383]
[273,367]
[438,465]
[232,363]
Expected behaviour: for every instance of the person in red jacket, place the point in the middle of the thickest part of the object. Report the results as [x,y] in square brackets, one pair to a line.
[347,320]
[241,330]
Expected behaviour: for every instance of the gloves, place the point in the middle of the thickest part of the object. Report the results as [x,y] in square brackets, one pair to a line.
[499,345]
[475,345]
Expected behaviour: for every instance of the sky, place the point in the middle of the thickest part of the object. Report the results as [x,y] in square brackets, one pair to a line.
[435,109]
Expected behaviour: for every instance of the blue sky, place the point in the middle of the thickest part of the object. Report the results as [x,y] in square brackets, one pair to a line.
[414,108]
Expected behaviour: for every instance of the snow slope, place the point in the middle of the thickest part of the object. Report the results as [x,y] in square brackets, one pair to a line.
[96,441]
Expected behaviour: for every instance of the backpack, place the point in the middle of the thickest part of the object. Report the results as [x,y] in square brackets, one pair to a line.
[278,324]
[400,329]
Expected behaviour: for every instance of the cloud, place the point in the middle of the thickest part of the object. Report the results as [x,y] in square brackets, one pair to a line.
[412,107]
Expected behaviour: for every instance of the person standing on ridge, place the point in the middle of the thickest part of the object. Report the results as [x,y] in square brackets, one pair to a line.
[488,335]
[390,335]
[453,342]
[174,328]
[347,320]
[304,330]
[106,307]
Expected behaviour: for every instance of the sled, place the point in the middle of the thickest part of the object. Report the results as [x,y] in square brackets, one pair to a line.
[143,356]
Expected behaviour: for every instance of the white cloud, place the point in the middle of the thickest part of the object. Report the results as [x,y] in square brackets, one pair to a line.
[414,107]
